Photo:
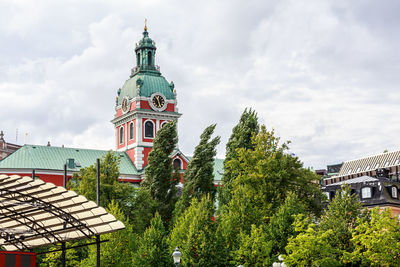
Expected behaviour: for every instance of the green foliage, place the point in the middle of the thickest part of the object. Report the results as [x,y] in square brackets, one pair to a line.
[377,241]
[341,217]
[159,171]
[254,249]
[281,228]
[54,259]
[311,247]
[240,138]
[199,178]
[153,248]
[330,243]
[194,234]
[117,251]
[110,188]
[142,211]
[266,176]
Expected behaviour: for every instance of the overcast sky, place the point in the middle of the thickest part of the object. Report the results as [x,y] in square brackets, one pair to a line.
[323,74]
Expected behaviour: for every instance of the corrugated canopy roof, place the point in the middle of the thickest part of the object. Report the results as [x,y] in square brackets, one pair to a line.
[34,213]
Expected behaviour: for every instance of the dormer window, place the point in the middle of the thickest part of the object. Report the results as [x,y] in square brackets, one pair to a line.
[349,171]
[368,167]
[394,192]
[387,163]
[366,192]
[377,166]
[358,169]
[138,59]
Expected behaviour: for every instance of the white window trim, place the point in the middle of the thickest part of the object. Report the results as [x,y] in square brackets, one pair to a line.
[144,129]
[161,124]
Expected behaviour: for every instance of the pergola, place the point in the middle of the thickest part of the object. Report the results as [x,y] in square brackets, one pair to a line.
[34,213]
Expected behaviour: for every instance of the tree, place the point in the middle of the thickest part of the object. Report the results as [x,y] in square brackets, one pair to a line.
[84,183]
[266,175]
[254,249]
[281,228]
[240,138]
[329,243]
[199,175]
[377,241]
[153,248]
[194,234]
[159,171]
[117,251]
[311,247]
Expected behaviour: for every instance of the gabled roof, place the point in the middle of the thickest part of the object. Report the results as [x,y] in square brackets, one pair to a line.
[54,158]
[34,213]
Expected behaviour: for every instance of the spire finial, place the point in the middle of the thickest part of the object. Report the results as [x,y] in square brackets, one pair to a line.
[145,25]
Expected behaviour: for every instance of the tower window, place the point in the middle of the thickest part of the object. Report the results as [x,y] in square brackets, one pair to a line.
[138,59]
[149,129]
[121,135]
[149,58]
[177,164]
[163,123]
[131,132]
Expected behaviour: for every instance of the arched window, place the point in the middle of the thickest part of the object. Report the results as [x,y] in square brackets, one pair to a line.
[121,135]
[149,129]
[149,58]
[177,164]
[163,123]
[131,132]
[138,59]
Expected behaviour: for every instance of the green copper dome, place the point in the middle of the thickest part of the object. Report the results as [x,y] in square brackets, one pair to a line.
[149,84]
[146,78]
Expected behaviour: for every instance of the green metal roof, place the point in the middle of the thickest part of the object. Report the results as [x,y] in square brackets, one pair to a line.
[150,84]
[54,158]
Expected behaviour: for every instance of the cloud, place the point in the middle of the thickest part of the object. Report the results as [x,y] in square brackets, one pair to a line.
[324,74]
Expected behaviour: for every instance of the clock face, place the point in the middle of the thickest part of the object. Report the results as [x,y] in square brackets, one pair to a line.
[125,105]
[158,101]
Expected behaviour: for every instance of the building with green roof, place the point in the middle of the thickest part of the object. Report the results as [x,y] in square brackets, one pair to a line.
[144,103]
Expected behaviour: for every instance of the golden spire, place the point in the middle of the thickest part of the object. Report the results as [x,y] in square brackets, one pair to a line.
[145,25]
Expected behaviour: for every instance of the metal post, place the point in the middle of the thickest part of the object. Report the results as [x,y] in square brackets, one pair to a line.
[98,204]
[63,253]
[33,173]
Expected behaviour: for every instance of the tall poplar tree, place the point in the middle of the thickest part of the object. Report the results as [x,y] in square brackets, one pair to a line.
[240,138]
[199,175]
[159,171]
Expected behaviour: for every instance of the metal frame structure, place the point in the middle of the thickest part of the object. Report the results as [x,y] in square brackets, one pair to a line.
[34,213]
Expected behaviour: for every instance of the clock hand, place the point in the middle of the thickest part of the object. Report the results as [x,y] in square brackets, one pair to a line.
[158,100]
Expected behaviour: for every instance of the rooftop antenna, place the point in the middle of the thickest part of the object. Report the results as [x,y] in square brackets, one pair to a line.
[25,134]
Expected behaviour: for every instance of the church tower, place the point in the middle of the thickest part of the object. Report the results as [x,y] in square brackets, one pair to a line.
[144,104]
